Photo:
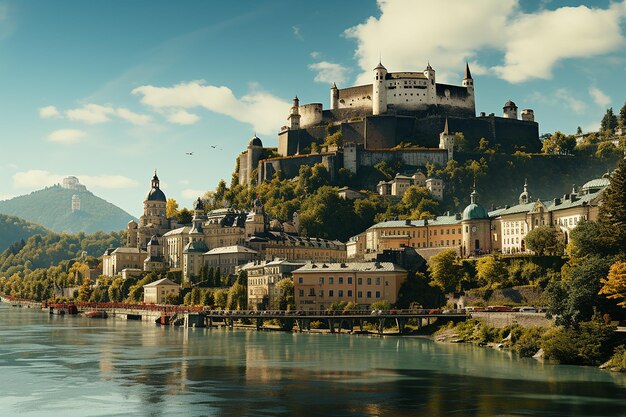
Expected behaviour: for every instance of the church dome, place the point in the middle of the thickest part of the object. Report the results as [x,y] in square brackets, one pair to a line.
[255,141]
[474,211]
[509,104]
[156,194]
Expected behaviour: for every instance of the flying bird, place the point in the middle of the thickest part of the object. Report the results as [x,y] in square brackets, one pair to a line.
[189,153]
[213,146]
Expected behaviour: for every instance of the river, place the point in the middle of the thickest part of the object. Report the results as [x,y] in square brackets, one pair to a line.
[75,366]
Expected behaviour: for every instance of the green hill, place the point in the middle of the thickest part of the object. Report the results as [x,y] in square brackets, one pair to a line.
[52,208]
[14,229]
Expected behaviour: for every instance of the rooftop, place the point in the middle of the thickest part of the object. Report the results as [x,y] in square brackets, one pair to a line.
[351,267]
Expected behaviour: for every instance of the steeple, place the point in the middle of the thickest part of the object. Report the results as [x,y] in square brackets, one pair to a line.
[524,197]
[468,74]
[474,195]
[445,128]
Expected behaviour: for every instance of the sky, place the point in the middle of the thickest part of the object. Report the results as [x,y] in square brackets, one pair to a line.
[110,91]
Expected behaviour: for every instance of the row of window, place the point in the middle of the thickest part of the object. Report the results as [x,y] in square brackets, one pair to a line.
[340,293]
[412,233]
[340,280]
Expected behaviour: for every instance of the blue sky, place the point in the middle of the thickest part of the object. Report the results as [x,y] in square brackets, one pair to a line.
[109,91]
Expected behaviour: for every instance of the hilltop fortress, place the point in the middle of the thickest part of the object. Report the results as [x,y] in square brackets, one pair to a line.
[366,124]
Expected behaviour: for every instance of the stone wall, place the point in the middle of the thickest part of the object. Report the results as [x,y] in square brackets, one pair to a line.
[518,296]
[506,319]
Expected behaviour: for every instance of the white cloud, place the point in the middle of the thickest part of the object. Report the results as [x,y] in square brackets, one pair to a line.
[599,97]
[296,32]
[329,72]
[315,54]
[67,136]
[91,113]
[263,111]
[182,117]
[535,43]
[35,179]
[107,181]
[573,103]
[49,112]
[452,31]
[191,193]
[132,117]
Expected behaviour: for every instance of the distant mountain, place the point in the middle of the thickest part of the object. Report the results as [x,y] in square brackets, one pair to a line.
[14,229]
[52,208]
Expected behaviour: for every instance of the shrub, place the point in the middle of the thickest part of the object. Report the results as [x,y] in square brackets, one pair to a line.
[529,342]
[618,360]
[586,344]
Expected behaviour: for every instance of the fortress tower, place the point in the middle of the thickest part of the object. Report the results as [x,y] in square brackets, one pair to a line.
[334,97]
[509,111]
[379,99]
[294,116]
[446,141]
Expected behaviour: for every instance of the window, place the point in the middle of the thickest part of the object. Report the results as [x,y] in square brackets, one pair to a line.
[331,293]
[331,280]
[340,280]
[349,293]
[377,294]
[359,281]
[369,281]
[312,292]
[340,293]
[301,293]
[349,280]
[378,281]
[369,294]
[300,280]
[359,294]
[321,293]
[321,280]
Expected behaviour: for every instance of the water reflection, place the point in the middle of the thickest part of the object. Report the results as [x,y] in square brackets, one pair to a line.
[76,366]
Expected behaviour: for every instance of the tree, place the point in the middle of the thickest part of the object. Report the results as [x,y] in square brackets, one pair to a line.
[559,144]
[445,271]
[237,297]
[184,216]
[221,297]
[575,298]
[285,300]
[85,290]
[622,116]
[607,150]
[612,216]
[609,121]
[587,239]
[579,130]
[492,271]
[171,208]
[381,305]
[614,285]
[543,240]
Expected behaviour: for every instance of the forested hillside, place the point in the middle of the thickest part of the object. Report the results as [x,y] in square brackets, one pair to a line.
[43,251]
[14,229]
[52,208]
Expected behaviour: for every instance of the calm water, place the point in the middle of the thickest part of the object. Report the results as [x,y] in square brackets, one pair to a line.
[73,366]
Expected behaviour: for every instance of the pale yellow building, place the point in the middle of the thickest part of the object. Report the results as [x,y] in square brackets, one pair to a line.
[157,292]
[262,279]
[118,259]
[318,285]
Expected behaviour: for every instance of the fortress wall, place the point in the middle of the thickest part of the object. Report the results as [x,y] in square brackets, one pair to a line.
[310,114]
[411,157]
[356,97]
[290,167]
[353,132]
[380,132]
[511,133]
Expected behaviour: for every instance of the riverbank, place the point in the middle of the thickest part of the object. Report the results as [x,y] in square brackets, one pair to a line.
[591,343]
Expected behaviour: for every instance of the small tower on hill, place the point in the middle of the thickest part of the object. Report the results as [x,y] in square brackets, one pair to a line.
[294,116]
[446,141]
[334,97]
[379,101]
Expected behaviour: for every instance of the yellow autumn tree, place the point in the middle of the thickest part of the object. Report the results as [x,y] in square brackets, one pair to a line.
[614,285]
[171,208]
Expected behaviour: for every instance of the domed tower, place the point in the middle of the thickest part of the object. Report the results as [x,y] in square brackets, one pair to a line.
[154,261]
[255,149]
[509,110]
[524,197]
[334,97]
[379,99]
[446,141]
[256,221]
[476,228]
[154,219]
[294,115]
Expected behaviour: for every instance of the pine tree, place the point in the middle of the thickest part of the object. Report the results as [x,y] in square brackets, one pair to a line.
[612,215]
[609,121]
[622,116]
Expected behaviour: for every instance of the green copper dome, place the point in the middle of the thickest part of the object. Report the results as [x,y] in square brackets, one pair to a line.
[474,211]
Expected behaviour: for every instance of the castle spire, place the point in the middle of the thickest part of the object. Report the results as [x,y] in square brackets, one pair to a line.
[468,74]
[445,128]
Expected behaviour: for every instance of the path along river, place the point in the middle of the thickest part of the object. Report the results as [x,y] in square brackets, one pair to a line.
[75,366]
